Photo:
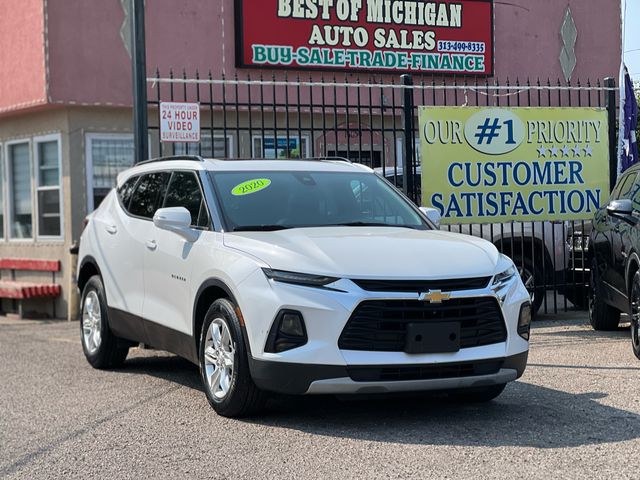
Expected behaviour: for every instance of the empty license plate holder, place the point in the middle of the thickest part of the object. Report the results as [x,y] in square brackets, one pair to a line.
[441,337]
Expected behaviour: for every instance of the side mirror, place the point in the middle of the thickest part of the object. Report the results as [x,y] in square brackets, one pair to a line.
[432,214]
[620,208]
[176,220]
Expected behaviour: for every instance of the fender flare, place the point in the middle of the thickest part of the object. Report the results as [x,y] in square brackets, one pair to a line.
[215,282]
[87,259]
[633,257]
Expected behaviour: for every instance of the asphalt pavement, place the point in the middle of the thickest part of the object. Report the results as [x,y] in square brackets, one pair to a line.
[574,414]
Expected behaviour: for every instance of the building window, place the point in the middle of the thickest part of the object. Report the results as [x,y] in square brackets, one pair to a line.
[107,156]
[48,187]
[220,147]
[20,195]
[268,147]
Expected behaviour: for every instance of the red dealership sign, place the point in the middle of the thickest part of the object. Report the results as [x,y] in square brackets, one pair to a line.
[442,37]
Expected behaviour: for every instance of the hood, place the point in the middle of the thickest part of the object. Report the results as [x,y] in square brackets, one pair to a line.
[381,253]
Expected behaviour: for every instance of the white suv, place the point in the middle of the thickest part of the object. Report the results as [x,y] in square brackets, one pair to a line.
[299,277]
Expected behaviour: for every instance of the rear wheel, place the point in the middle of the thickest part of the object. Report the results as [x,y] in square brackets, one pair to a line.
[634,299]
[101,347]
[224,364]
[477,394]
[602,316]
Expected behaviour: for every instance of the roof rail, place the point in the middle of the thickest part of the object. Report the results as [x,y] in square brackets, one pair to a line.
[192,158]
[310,159]
[330,159]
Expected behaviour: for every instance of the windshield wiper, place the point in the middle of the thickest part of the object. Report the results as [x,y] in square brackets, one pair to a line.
[260,228]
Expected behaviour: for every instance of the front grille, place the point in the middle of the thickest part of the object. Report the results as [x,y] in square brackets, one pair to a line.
[424,372]
[419,286]
[381,325]
[578,262]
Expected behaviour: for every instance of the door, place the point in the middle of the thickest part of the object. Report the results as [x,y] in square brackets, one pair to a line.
[130,224]
[120,263]
[625,237]
[169,260]
[618,235]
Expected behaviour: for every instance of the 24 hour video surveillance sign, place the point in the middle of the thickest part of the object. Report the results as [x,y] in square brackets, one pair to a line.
[416,36]
[485,165]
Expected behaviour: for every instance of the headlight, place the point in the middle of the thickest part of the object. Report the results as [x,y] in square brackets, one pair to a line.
[505,277]
[298,278]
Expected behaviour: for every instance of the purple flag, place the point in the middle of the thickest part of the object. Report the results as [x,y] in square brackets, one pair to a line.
[628,143]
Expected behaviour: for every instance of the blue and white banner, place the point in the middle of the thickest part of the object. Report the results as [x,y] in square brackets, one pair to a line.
[627,142]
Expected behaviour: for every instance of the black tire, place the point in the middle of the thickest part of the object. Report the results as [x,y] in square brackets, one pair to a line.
[602,316]
[109,351]
[634,300]
[477,394]
[242,398]
[533,278]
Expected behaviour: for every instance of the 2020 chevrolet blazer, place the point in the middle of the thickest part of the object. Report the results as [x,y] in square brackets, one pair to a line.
[299,277]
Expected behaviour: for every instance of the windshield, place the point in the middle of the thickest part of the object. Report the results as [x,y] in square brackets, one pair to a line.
[280,200]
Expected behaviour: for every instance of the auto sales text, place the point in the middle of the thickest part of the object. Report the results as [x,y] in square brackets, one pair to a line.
[385,12]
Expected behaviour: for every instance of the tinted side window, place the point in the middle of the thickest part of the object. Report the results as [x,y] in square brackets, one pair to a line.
[184,191]
[148,194]
[126,190]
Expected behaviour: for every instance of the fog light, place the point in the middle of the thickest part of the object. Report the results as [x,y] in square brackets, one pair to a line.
[524,321]
[287,332]
[292,325]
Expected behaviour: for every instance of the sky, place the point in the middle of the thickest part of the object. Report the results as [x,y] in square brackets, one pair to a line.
[632,39]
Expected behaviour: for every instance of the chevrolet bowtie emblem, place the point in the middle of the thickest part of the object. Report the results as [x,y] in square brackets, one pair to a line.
[435,296]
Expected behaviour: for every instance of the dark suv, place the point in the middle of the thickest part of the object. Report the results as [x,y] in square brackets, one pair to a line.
[615,259]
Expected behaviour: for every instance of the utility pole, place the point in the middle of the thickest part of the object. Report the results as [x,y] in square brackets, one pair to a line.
[139,69]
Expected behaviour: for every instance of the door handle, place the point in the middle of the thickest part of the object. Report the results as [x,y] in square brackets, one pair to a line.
[152,245]
[111,229]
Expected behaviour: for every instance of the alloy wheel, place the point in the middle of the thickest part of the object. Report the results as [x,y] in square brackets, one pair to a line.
[92,322]
[219,358]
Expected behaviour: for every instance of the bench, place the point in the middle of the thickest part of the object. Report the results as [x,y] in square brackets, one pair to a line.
[24,290]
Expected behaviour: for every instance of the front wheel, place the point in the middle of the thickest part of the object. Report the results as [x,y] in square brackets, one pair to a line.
[101,347]
[634,299]
[224,364]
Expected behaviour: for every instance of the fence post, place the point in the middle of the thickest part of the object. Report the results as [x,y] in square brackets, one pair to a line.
[610,85]
[407,109]
[139,68]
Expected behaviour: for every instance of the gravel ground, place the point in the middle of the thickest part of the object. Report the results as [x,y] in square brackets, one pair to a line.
[574,414]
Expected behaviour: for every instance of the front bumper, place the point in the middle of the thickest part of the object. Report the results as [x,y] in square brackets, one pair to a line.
[322,366]
[299,379]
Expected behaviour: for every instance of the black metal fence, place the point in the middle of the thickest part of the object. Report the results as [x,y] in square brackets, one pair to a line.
[375,123]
